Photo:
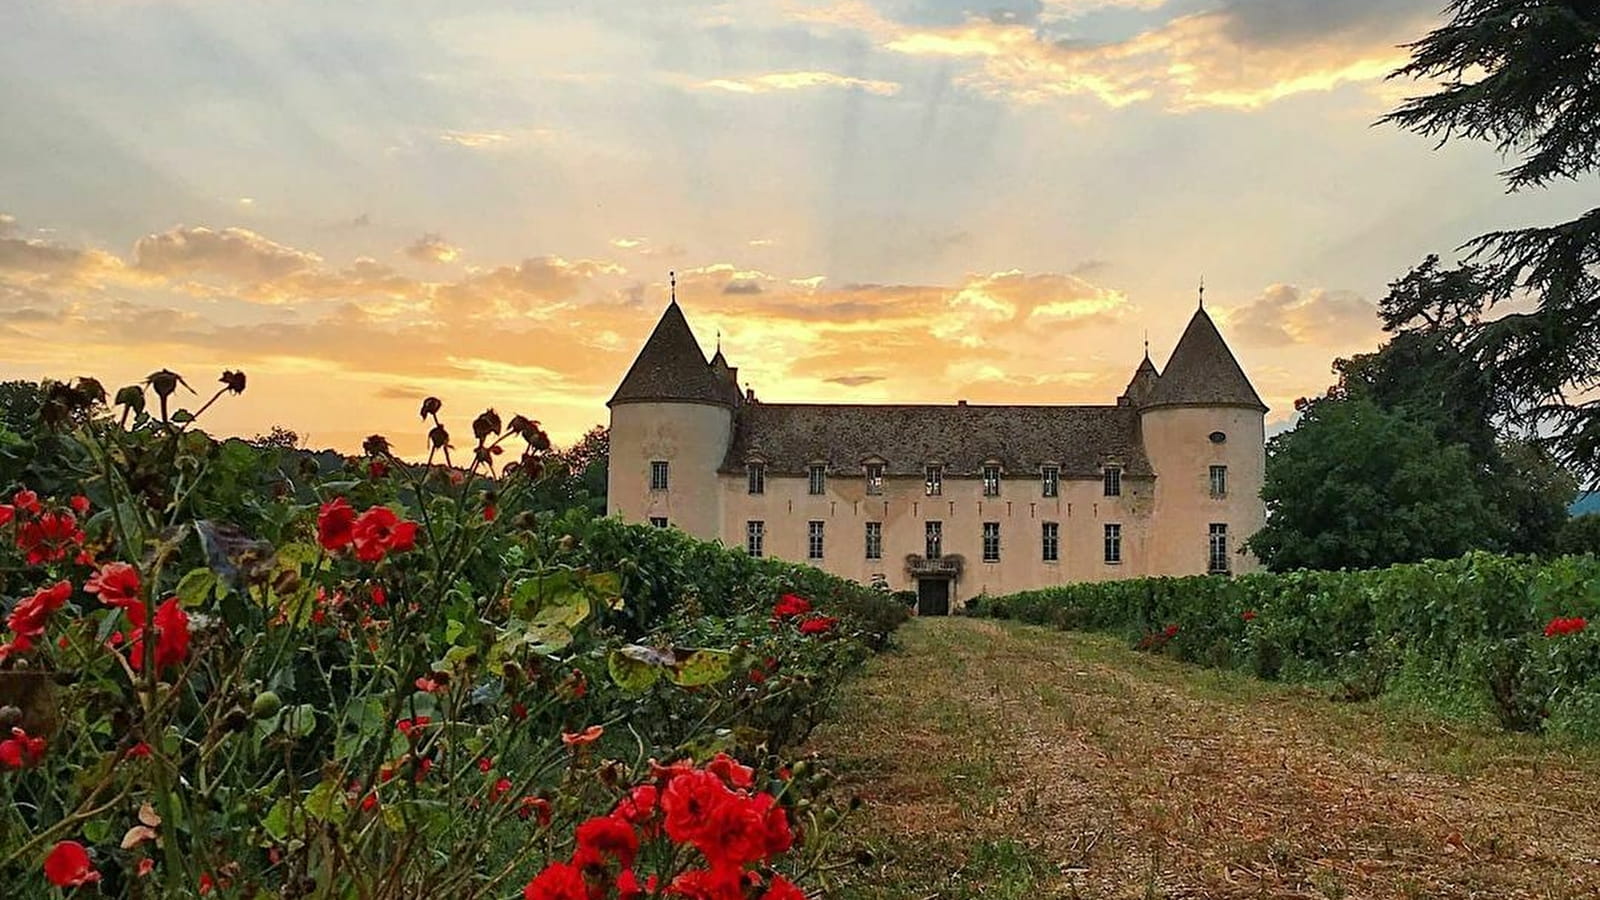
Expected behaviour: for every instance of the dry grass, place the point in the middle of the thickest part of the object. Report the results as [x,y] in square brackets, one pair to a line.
[1001,760]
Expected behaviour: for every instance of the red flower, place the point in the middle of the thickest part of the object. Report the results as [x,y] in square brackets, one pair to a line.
[489,512]
[628,887]
[27,501]
[639,806]
[146,866]
[335,521]
[818,624]
[377,469]
[68,865]
[206,883]
[519,711]
[172,635]
[708,884]
[1248,615]
[690,802]
[558,881]
[790,606]
[49,538]
[587,736]
[424,766]
[1170,630]
[20,751]
[412,728]
[79,504]
[782,889]
[530,805]
[1560,626]
[736,775]
[604,837]
[115,584]
[757,676]
[427,685]
[28,617]
[379,598]
[379,532]
[7,513]
[137,751]
[499,789]
[485,765]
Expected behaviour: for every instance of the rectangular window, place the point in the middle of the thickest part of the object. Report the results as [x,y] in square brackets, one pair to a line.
[874,540]
[1050,481]
[991,481]
[658,475]
[991,542]
[1113,476]
[1219,481]
[1113,543]
[819,480]
[814,540]
[933,477]
[756,473]
[1050,533]
[755,537]
[933,540]
[658,521]
[875,478]
[1219,549]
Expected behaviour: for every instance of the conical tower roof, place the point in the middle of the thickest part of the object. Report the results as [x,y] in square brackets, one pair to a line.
[1144,381]
[671,368]
[1203,372]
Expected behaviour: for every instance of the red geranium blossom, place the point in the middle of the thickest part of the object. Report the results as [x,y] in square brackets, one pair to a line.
[79,504]
[379,532]
[818,624]
[605,837]
[1248,615]
[499,789]
[587,736]
[26,500]
[1559,626]
[412,728]
[558,881]
[68,865]
[114,584]
[789,606]
[528,806]
[736,775]
[49,538]
[782,889]
[334,524]
[28,617]
[20,751]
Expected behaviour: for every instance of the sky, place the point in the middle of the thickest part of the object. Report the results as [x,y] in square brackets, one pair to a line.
[363,204]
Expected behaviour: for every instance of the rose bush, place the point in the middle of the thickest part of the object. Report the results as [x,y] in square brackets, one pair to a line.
[232,672]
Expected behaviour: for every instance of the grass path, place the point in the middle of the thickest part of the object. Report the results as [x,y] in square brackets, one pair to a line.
[1007,761]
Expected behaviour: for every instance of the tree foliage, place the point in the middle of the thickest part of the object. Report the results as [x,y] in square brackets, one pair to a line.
[1357,486]
[1525,75]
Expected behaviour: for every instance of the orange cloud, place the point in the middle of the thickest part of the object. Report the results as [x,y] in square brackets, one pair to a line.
[794,81]
[432,248]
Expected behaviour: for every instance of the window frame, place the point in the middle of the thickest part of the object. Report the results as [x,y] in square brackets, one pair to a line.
[816,539]
[1050,481]
[755,538]
[662,467]
[817,479]
[1217,559]
[933,539]
[1219,482]
[1111,480]
[873,473]
[991,542]
[1113,543]
[1050,541]
[991,479]
[933,480]
[659,522]
[874,540]
[755,473]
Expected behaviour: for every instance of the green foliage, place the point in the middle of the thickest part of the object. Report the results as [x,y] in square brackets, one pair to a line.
[1475,623]
[1520,74]
[1356,486]
[1579,535]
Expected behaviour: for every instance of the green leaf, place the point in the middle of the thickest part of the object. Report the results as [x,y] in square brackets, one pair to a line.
[300,721]
[276,823]
[326,803]
[632,675]
[196,586]
[702,667]
[97,831]
[452,630]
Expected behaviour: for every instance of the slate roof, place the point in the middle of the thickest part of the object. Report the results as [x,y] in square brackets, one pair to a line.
[1203,372]
[789,437]
[672,368]
[1144,380]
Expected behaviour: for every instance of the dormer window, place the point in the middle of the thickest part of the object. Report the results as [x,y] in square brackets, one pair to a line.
[1050,481]
[1113,481]
[991,479]
[933,477]
[756,474]
[818,475]
[874,478]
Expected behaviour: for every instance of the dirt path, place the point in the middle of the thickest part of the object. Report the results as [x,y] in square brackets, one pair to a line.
[1007,761]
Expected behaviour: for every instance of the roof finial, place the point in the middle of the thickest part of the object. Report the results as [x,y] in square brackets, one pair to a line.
[719,340]
[1202,292]
[673,275]
[1147,343]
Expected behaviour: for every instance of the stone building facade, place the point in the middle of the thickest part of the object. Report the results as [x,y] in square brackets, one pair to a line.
[949,500]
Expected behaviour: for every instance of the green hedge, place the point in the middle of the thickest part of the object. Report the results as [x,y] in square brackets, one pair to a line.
[1465,635]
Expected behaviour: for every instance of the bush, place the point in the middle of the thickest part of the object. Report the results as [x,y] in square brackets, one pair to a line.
[1492,622]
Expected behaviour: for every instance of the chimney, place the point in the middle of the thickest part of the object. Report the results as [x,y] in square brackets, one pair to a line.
[961,403]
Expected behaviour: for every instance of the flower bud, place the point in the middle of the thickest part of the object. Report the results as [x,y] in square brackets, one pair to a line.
[430,407]
[234,380]
[265,705]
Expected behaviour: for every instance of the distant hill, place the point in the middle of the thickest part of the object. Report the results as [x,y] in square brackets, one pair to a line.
[1586,504]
